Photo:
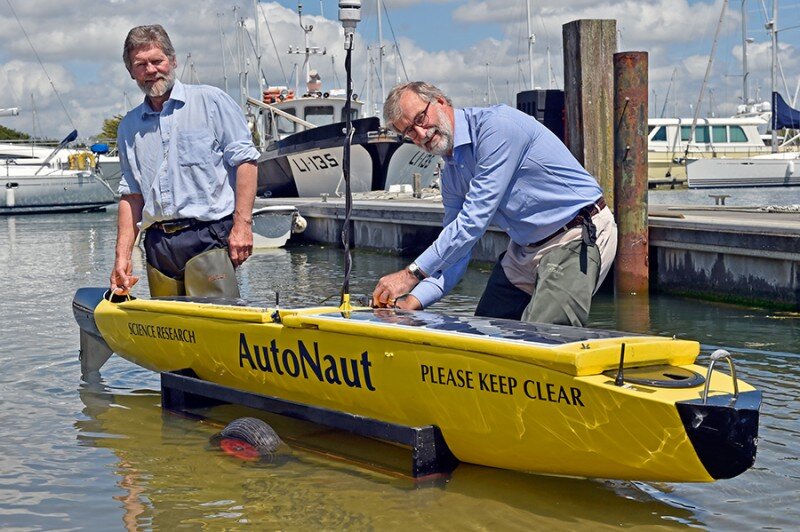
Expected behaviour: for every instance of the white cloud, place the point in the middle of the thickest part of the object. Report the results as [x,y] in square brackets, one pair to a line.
[80,45]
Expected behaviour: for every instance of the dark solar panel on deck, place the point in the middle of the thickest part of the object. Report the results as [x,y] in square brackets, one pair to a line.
[538,333]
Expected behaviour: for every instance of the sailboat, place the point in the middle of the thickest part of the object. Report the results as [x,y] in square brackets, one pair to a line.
[45,185]
[776,166]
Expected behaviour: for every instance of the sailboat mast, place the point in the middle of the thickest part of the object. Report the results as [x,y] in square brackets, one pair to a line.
[773,28]
[745,73]
[222,49]
[531,40]
[258,52]
[380,54]
[705,78]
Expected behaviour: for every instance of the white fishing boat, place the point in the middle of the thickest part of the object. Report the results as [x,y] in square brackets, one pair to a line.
[309,163]
[304,139]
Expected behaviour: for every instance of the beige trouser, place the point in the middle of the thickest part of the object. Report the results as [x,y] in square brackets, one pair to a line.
[561,275]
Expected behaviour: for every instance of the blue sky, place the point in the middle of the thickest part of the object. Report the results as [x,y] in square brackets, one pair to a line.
[454,44]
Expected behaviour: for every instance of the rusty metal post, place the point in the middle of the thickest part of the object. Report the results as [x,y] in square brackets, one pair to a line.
[589,47]
[631,273]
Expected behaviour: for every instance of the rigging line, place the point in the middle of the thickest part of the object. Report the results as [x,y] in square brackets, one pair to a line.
[705,78]
[188,58]
[275,46]
[253,46]
[394,37]
[52,84]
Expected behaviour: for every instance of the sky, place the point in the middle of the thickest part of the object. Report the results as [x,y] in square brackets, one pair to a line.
[61,64]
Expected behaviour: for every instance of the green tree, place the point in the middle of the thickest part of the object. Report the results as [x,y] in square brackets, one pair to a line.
[109,131]
[11,134]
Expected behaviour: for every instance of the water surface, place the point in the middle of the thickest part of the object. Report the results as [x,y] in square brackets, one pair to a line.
[103,455]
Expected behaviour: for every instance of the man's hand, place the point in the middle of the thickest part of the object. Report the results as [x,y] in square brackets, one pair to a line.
[122,278]
[240,240]
[391,287]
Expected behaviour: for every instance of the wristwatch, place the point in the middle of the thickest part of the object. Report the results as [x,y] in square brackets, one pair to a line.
[415,271]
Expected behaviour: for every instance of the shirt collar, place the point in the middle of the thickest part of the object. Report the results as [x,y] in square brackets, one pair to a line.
[178,94]
[461,134]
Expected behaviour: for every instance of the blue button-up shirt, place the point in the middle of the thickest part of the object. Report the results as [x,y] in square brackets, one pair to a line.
[506,170]
[183,159]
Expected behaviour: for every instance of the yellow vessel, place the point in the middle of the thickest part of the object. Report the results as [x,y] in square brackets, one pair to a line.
[528,397]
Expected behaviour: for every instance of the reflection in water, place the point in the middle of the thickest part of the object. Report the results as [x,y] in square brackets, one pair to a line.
[68,446]
[170,475]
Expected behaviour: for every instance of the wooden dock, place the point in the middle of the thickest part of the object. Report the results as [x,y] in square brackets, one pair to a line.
[736,254]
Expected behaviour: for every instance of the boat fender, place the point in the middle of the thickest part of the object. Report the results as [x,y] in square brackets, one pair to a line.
[299,224]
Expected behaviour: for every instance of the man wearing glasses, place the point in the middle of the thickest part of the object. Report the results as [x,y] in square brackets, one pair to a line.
[503,168]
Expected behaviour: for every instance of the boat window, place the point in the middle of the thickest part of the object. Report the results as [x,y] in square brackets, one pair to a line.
[719,134]
[738,134]
[319,115]
[686,133]
[701,134]
[286,126]
[353,114]
[660,134]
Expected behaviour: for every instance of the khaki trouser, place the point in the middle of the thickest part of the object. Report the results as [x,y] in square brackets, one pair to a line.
[553,282]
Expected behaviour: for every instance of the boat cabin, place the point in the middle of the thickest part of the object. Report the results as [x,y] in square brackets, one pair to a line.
[313,109]
[717,136]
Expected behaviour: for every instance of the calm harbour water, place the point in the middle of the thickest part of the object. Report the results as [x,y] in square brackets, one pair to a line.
[75,455]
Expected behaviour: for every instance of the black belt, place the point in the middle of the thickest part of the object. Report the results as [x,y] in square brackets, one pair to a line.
[181,224]
[579,219]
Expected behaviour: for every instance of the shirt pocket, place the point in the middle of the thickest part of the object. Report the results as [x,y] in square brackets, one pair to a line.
[194,147]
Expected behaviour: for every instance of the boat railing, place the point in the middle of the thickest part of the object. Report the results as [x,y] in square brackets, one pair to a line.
[275,111]
[718,355]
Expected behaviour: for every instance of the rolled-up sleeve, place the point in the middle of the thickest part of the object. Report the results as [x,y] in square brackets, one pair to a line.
[234,135]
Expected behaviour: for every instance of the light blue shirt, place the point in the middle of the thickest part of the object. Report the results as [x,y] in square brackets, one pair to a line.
[183,160]
[506,170]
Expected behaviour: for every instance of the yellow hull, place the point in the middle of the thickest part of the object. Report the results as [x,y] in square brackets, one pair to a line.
[506,399]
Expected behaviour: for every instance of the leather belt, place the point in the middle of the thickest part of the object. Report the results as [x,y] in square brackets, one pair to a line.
[593,209]
[181,224]
[173,226]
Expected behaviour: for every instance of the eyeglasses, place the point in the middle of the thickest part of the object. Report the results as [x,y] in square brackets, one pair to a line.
[419,121]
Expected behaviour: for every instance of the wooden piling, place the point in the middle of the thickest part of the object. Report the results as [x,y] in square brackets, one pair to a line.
[631,270]
[589,47]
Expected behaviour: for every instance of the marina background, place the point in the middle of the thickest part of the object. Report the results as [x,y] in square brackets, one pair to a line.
[475,50]
[103,455]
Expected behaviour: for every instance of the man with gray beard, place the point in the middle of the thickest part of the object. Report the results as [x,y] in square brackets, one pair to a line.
[503,168]
[188,178]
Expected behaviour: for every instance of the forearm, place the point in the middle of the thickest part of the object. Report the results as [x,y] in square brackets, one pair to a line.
[246,184]
[128,218]
[240,240]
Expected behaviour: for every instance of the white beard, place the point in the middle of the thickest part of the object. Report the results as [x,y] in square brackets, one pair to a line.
[444,144]
[163,85]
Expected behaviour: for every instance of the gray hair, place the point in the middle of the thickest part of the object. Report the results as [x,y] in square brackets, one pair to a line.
[154,35]
[423,89]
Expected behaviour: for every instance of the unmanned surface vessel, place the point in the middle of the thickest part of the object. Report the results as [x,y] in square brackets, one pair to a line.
[527,397]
